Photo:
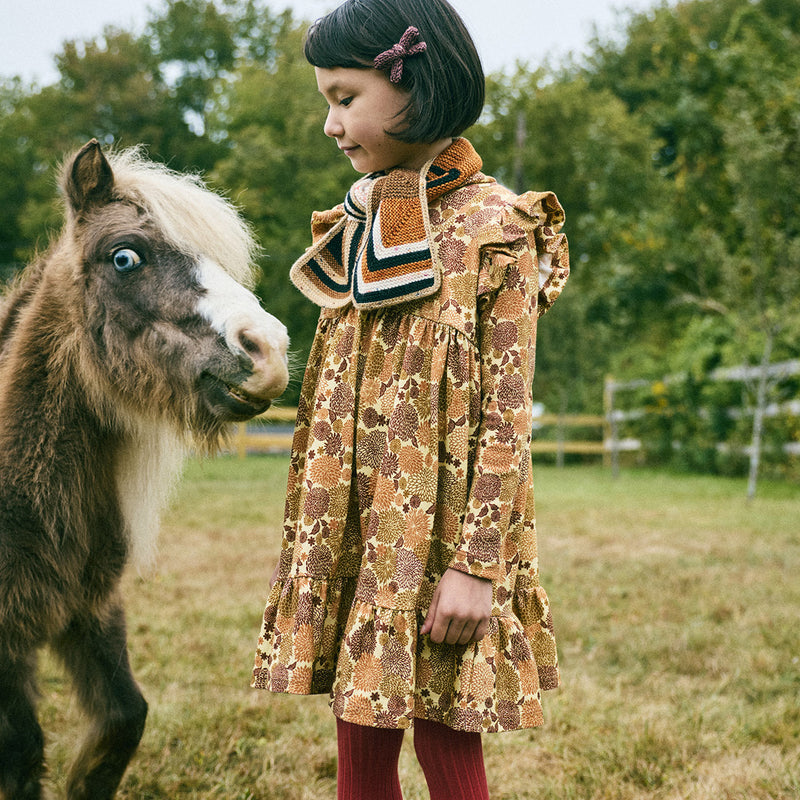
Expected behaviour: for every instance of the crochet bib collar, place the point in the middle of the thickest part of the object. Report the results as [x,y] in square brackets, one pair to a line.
[384,256]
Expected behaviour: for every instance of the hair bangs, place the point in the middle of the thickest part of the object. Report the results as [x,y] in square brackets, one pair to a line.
[337,40]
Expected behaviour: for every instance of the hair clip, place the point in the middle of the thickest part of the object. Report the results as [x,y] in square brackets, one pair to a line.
[392,59]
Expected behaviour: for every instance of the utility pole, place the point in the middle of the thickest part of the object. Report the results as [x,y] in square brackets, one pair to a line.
[519,150]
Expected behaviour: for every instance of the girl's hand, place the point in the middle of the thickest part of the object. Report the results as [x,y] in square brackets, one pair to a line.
[460,609]
[274,576]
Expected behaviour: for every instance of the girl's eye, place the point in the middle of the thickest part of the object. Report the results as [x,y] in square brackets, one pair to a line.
[345,101]
[126,259]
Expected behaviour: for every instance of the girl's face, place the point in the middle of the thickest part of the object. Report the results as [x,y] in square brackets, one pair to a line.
[362,105]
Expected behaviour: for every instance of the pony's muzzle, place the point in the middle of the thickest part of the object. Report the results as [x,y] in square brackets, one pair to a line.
[262,351]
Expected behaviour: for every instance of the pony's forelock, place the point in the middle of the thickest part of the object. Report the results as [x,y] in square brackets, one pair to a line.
[191,216]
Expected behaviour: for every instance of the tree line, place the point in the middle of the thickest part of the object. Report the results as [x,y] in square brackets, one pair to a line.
[674,148]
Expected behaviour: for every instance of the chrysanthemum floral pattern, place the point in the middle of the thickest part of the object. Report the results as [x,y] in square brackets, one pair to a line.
[412,456]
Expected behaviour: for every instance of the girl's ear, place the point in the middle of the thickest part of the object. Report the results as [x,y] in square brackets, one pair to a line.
[89,179]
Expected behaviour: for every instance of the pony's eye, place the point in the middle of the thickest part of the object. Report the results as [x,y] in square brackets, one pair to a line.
[125,259]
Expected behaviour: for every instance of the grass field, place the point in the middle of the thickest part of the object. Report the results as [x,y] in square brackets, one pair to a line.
[677,609]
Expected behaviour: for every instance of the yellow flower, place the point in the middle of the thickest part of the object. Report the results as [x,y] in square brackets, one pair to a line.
[417,528]
[300,680]
[359,710]
[481,681]
[510,305]
[497,458]
[384,495]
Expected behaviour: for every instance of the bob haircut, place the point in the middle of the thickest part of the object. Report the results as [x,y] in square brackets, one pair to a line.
[446,84]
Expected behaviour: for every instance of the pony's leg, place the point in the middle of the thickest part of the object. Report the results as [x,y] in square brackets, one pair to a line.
[21,739]
[95,653]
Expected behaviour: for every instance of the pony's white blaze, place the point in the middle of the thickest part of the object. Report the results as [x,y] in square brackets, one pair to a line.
[236,314]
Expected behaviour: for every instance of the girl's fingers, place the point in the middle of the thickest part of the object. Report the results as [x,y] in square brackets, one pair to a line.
[471,631]
[442,630]
[455,632]
[427,625]
[467,632]
[452,617]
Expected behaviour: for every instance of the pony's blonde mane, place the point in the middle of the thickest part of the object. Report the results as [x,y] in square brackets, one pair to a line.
[191,216]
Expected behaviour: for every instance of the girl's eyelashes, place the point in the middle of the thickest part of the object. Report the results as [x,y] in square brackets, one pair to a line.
[344,101]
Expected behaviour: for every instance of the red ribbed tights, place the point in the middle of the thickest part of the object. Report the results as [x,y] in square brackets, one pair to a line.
[452,762]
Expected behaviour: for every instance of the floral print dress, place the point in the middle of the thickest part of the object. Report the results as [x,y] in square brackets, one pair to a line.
[411,455]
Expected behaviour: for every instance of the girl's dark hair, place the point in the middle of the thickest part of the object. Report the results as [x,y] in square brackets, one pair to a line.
[446,82]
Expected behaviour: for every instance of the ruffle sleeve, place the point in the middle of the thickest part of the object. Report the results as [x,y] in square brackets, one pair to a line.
[550,245]
[533,221]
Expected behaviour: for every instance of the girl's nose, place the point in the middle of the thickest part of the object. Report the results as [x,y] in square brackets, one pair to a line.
[332,127]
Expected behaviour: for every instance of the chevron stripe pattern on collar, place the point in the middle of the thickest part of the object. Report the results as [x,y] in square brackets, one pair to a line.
[385,258]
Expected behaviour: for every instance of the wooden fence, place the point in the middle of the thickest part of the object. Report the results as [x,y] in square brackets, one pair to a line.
[559,434]
[272,432]
[618,414]
[769,392]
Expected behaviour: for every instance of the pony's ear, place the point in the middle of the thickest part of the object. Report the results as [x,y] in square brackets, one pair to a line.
[89,179]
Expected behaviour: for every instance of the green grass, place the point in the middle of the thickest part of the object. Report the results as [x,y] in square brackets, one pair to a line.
[676,608]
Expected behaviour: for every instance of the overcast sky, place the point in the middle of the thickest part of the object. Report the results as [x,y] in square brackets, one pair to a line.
[32,31]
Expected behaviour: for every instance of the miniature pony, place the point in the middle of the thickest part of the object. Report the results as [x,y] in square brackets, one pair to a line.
[131,339]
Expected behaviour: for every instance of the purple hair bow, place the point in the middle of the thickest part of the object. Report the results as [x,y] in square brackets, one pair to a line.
[392,59]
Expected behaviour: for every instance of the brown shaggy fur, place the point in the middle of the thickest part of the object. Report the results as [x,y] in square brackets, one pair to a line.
[105,365]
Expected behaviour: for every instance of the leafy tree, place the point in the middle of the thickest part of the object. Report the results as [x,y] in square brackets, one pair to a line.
[561,134]
[156,89]
[717,84]
[16,166]
[669,74]
[760,266]
[280,167]
[678,70]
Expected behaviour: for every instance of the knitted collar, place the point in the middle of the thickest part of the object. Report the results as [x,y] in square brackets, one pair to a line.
[386,258]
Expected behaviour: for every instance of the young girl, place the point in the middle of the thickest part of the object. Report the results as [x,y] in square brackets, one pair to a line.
[408,584]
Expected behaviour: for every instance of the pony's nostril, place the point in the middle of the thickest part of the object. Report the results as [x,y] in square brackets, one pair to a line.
[262,346]
[250,346]
[262,353]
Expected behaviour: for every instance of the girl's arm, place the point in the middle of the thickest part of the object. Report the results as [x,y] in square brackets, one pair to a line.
[506,339]
[515,288]
[519,279]
[460,609]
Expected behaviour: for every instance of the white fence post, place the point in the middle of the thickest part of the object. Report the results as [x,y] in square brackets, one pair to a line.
[611,457]
[764,374]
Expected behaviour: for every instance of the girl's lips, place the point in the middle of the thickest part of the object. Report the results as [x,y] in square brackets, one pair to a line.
[350,150]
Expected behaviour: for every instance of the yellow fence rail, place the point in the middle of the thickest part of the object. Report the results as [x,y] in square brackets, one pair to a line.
[261,439]
[562,444]
[276,434]
[602,435]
